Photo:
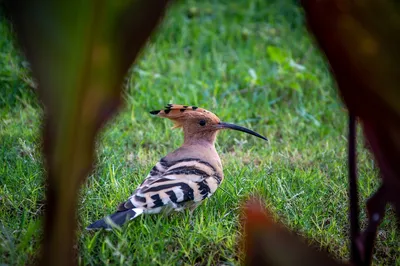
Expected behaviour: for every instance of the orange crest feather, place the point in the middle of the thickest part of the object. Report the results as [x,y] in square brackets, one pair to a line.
[177,113]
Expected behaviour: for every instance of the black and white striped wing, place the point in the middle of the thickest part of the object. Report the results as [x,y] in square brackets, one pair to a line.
[180,184]
[135,201]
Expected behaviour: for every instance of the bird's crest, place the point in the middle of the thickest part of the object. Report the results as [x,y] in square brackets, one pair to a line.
[177,113]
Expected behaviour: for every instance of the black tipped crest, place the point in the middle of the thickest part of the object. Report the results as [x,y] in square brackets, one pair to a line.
[179,113]
[169,108]
[155,112]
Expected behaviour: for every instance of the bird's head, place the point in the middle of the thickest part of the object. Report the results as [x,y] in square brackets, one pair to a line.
[198,124]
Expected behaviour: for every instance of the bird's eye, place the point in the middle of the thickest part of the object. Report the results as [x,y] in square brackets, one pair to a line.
[202,123]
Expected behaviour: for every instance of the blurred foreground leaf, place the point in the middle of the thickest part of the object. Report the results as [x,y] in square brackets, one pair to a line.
[269,243]
[79,52]
[361,41]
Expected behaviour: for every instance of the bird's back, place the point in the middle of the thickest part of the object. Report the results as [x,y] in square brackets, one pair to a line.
[183,178]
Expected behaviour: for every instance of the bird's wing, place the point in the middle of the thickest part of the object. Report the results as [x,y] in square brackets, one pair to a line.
[178,182]
[155,173]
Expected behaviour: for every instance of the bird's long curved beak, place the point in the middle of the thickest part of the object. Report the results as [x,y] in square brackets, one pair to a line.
[222,125]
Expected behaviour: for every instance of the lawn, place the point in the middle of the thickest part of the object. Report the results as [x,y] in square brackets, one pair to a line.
[250,62]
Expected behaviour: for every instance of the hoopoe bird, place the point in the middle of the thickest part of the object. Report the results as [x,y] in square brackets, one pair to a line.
[185,177]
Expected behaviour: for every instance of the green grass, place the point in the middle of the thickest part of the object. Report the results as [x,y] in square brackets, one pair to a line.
[235,58]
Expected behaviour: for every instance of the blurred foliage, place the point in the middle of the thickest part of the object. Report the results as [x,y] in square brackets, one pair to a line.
[79,54]
[267,242]
[360,40]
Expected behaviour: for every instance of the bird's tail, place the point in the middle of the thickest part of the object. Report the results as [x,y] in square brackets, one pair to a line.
[116,219]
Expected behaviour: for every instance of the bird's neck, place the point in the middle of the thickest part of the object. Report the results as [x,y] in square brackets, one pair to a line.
[203,147]
[200,139]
